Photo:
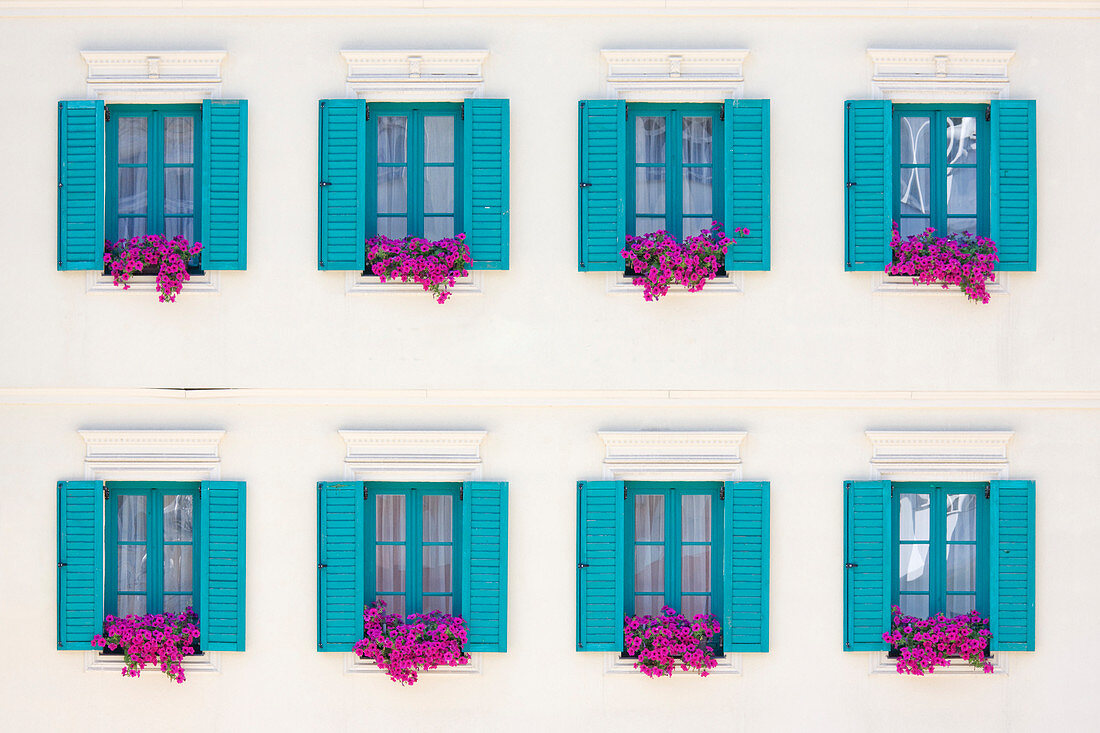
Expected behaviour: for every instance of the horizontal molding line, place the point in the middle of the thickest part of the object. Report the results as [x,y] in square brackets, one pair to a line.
[535,398]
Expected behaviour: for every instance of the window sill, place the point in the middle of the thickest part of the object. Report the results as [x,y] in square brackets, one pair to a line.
[356,665]
[208,282]
[100,662]
[615,663]
[883,283]
[881,663]
[359,284]
[731,282]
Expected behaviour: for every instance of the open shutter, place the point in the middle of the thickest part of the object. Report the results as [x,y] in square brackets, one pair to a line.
[342,188]
[1012,565]
[867,572]
[221,565]
[485,181]
[868,188]
[600,575]
[745,557]
[485,565]
[1012,182]
[79,563]
[80,185]
[341,573]
[224,183]
[748,182]
[602,205]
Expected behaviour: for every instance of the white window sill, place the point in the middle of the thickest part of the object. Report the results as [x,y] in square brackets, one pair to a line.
[882,664]
[615,663]
[731,282]
[354,664]
[208,282]
[883,283]
[100,662]
[359,284]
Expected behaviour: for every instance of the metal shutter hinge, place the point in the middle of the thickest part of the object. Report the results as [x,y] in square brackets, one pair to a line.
[987,114]
[366,491]
[722,113]
[987,491]
[462,111]
[367,106]
[460,493]
[722,494]
[106,113]
[106,492]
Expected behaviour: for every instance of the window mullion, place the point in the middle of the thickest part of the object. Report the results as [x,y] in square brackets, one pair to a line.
[938,552]
[674,174]
[939,172]
[155,162]
[414,565]
[415,182]
[673,550]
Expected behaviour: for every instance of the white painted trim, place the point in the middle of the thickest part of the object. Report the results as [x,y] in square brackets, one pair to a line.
[151,455]
[154,76]
[614,663]
[903,284]
[202,663]
[730,283]
[882,664]
[356,283]
[429,75]
[355,665]
[674,75]
[931,75]
[939,455]
[206,283]
[648,455]
[413,455]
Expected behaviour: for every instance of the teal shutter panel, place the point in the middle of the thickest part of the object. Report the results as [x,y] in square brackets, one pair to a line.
[341,569]
[1012,565]
[602,205]
[600,572]
[342,188]
[221,565]
[745,558]
[485,565]
[1012,182]
[224,183]
[485,181]
[747,139]
[80,185]
[868,187]
[868,589]
[79,563]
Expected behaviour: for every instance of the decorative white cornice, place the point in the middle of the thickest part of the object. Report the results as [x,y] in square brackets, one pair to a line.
[413,455]
[939,75]
[180,455]
[675,75]
[697,455]
[138,76]
[439,76]
[944,455]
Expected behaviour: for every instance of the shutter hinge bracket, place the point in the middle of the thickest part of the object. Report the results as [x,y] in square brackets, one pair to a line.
[851,565]
[987,113]
[722,113]
[107,113]
[322,184]
[624,492]
[321,565]
[62,564]
[366,491]
[581,565]
[626,111]
[106,492]
[849,184]
[987,490]
[367,106]
[891,490]
[584,185]
[462,110]
[460,493]
[722,493]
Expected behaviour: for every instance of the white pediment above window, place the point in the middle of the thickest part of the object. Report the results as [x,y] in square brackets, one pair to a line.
[150,455]
[413,455]
[939,455]
[428,76]
[667,75]
[154,76]
[931,75]
[676,455]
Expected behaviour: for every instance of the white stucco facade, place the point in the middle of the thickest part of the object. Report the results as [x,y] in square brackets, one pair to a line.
[804,359]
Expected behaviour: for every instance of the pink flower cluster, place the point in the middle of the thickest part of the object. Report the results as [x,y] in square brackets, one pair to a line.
[162,638]
[435,265]
[658,261]
[128,257]
[403,646]
[966,260]
[925,644]
[659,641]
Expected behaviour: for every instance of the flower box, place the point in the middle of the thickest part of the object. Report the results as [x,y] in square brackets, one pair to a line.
[435,265]
[661,643]
[656,261]
[961,259]
[403,646]
[169,260]
[163,639]
[921,645]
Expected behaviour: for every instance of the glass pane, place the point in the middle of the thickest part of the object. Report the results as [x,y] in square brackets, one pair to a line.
[394,604]
[437,569]
[180,226]
[131,227]
[177,568]
[393,227]
[914,139]
[437,603]
[959,605]
[439,139]
[179,190]
[695,568]
[962,517]
[692,226]
[961,567]
[389,523]
[692,606]
[131,567]
[698,139]
[962,190]
[914,194]
[649,140]
[391,139]
[438,518]
[962,140]
[392,190]
[439,190]
[957,225]
[439,227]
[133,140]
[177,604]
[179,140]
[178,517]
[913,567]
[698,190]
[389,568]
[649,518]
[131,518]
[648,225]
[648,605]
[133,190]
[649,568]
[131,605]
[915,509]
[649,190]
[909,227]
[695,518]
[914,606]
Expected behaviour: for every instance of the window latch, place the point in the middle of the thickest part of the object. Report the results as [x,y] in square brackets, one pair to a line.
[62,564]
[849,184]
[851,565]
[321,565]
[322,184]
[581,565]
[585,185]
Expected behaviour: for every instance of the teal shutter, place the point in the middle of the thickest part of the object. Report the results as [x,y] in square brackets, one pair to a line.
[342,188]
[224,183]
[341,570]
[79,563]
[868,187]
[485,181]
[221,565]
[748,182]
[600,573]
[745,557]
[602,205]
[1012,565]
[1012,182]
[867,572]
[485,565]
[80,185]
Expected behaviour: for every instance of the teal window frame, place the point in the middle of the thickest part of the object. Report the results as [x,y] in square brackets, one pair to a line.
[154,541]
[155,216]
[937,542]
[414,162]
[414,542]
[673,165]
[937,160]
